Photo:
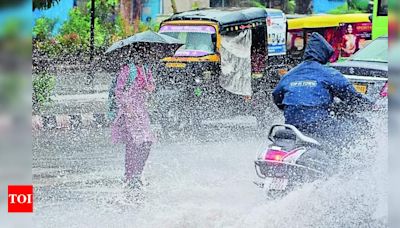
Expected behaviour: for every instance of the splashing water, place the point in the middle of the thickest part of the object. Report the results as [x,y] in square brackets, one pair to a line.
[209,184]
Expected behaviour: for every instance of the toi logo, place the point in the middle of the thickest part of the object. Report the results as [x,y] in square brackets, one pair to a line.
[20,198]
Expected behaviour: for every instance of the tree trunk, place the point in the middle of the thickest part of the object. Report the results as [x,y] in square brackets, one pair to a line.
[125,10]
[303,7]
[173,5]
[137,9]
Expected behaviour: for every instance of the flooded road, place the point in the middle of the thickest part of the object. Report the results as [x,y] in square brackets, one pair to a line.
[194,183]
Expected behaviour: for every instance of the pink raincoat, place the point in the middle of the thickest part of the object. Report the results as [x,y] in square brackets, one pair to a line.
[132,122]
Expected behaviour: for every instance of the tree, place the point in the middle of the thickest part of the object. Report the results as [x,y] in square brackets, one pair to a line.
[125,10]
[173,5]
[137,11]
[43,4]
[303,7]
[131,11]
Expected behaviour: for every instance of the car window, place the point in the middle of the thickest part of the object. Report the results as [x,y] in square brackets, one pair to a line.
[376,51]
[382,7]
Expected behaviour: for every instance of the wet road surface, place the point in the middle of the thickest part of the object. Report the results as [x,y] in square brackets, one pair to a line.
[192,183]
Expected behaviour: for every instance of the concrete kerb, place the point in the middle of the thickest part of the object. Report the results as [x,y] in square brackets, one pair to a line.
[71,121]
[50,121]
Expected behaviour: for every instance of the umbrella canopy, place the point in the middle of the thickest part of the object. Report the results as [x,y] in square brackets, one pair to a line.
[147,41]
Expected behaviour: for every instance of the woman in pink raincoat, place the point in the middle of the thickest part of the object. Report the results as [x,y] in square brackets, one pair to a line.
[131,125]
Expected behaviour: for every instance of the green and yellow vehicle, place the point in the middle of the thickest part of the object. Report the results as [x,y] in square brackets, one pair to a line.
[194,75]
[380,19]
[338,30]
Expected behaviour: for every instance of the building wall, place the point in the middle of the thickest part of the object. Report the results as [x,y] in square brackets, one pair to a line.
[183,5]
[324,6]
[151,9]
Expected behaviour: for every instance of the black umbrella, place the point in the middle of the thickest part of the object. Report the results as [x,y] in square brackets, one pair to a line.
[146,44]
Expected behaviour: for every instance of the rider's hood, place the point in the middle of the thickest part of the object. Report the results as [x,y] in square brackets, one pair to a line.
[318,49]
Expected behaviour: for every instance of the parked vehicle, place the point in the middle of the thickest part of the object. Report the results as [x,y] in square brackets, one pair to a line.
[380,19]
[197,68]
[368,70]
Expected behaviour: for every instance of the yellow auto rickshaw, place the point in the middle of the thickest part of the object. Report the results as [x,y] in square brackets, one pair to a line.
[347,33]
[229,55]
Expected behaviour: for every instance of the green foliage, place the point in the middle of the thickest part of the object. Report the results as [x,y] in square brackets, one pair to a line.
[74,34]
[256,3]
[11,88]
[291,6]
[344,9]
[43,85]
[153,26]
[119,31]
[195,5]
[43,28]
[359,4]
[76,31]
[103,10]
[13,28]
[15,37]
[49,46]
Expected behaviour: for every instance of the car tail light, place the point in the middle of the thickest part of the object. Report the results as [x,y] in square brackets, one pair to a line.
[384,91]
[275,155]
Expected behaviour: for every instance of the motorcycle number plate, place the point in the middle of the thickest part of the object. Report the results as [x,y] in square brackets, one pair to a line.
[276,183]
[361,88]
[175,65]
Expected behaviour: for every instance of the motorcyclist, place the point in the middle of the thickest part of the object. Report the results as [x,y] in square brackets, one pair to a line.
[307,92]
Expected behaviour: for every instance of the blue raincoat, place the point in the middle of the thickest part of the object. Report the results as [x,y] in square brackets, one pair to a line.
[306,92]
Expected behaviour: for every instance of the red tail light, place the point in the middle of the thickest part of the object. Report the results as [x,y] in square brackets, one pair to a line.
[384,91]
[275,155]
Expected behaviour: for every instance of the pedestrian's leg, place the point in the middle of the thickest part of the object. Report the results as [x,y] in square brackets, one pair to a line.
[140,157]
[129,160]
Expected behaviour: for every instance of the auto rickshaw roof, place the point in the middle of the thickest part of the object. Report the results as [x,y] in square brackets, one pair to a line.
[225,16]
[327,20]
[295,16]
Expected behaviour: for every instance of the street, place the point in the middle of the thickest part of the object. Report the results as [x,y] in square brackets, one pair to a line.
[77,176]
[194,183]
[265,113]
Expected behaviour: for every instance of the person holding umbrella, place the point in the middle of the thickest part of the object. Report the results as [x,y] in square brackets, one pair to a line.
[129,95]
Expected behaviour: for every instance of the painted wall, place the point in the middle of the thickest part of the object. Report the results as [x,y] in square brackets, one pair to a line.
[59,11]
[151,9]
[21,13]
[324,6]
[183,5]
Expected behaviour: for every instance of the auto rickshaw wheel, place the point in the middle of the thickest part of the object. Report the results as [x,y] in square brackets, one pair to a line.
[260,109]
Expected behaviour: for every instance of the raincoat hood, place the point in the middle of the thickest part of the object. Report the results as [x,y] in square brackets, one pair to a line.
[318,49]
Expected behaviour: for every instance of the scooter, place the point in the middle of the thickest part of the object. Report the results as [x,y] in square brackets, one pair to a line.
[292,159]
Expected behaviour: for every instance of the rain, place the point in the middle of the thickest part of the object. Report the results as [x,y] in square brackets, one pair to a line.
[200,106]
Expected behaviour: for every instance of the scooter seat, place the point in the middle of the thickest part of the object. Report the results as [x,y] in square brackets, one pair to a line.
[285,134]
[285,138]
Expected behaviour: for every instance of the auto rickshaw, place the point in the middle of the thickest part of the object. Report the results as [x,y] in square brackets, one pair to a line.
[347,33]
[196,73]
